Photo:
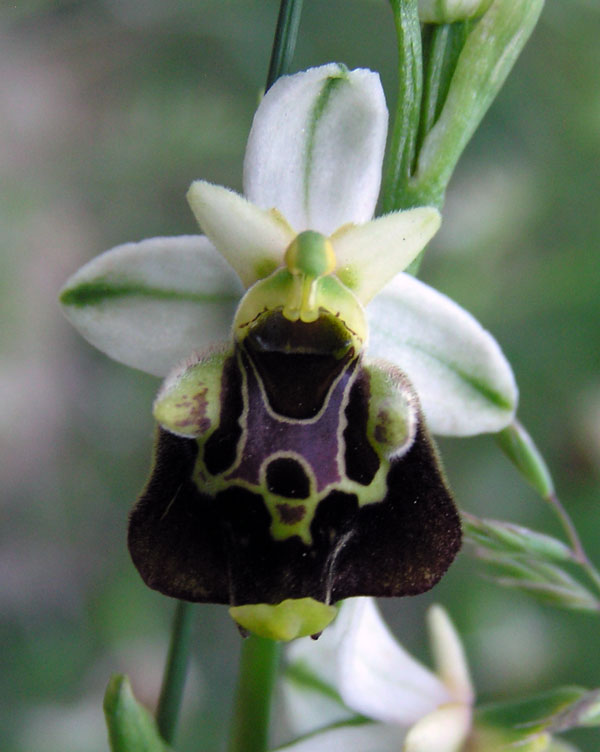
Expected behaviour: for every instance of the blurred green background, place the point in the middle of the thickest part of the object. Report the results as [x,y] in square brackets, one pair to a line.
[108,110]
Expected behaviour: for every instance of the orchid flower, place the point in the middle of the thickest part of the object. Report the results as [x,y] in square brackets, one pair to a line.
[291,471]
[356,688]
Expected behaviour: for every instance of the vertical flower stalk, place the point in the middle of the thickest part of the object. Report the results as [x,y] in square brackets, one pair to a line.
[259,661]
[171,693]
[284,43]
[401,154]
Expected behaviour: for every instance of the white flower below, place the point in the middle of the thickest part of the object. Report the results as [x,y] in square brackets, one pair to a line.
[414,709]
[357,690]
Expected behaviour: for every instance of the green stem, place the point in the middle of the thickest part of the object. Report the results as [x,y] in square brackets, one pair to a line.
[579,552]
[406,122]
[171,691]
[285,39]
[258,669]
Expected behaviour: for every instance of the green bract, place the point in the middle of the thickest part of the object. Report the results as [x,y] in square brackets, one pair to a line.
[487,57]
[130,726]
[449,11]
[293,460]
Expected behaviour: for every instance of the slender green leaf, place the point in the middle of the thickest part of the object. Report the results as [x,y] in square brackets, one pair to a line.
[171,692]
[504,537]
[522,721]
[545,582]
[131,728]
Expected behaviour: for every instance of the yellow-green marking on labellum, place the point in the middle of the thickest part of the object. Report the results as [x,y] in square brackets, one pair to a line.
[285,621]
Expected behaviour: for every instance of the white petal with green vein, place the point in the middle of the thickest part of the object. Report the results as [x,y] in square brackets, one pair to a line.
[369,255]
[152,303]
[253,240]
[316,148]
[463,380]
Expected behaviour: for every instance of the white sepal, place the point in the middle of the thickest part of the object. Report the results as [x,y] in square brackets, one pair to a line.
[316,148]
[314,702]
[463,380]
[150,304]
[253,240]
[369,255]
[309,710]
[377,677]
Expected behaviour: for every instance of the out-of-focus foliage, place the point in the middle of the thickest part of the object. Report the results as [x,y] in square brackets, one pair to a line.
[108,110]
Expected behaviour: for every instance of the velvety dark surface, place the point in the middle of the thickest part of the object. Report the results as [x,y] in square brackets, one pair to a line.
[190,545]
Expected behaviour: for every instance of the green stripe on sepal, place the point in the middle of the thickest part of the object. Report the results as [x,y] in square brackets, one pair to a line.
[463,380]
[546,582]
[316,147]
[330,84]
[151,304]
[102,291]
[491,395]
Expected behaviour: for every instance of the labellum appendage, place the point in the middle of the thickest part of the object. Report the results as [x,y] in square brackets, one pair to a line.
[286,466]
